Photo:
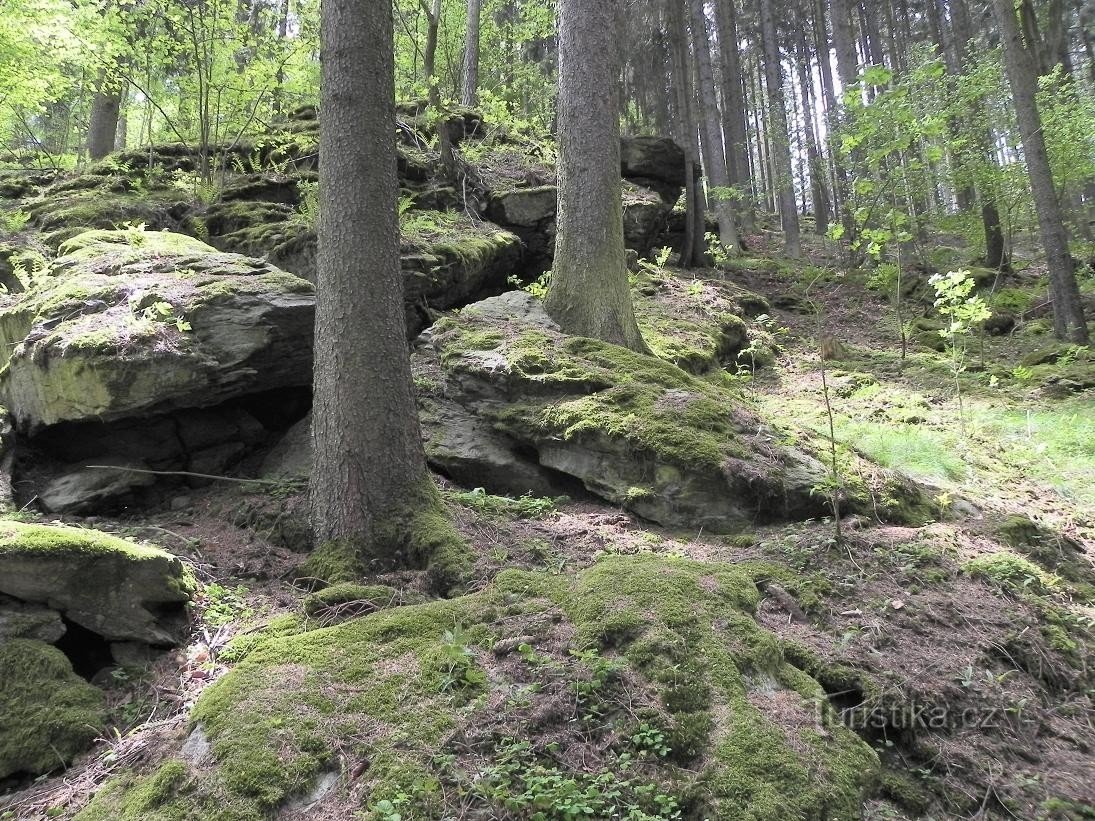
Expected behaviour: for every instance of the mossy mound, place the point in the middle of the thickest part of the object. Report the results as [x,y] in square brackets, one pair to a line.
[48,714]
[698,324]
[127,322]
[643,685]
[635,429]
[119,590]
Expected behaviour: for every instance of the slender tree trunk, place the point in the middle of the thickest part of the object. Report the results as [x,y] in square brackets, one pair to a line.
[368,462]
[105,110]
[710,120]
[429,53]
[1022,70]
[817,168]
[589,293]
[847,68]
[735,125]
[695,248]
[780,135]
[470,96]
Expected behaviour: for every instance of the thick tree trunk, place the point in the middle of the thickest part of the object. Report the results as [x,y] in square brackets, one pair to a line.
[1022,70]
[718,177]
[470,97]
[368,462]
[101,132]
[589,293]
[780,136]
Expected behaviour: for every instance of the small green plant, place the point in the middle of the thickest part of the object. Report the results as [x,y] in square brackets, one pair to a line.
[954,299]
[716,249]
[164,313]
[308,210]
[458,662]
[14,221]
[224,605]
[649,741]
[538,287]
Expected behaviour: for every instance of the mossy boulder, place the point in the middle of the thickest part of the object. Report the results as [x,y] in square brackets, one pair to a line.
[48,714]
[634,429]
[636,659]
[117,589]
[126,323]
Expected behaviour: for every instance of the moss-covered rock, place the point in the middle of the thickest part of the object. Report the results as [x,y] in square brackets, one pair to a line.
[115,588]
[635,429]
[48,714]
[129,322]
[418,691]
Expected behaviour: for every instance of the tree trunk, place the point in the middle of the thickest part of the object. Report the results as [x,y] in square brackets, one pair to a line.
[718,177]
[470,96]
[105,109]
[780,135]
[368,464]
[695,248]
[429,54]
[1022,71]
[589,293]
[734,126]
[818,190]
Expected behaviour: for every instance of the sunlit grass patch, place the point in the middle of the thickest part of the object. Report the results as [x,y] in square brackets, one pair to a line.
[913,450]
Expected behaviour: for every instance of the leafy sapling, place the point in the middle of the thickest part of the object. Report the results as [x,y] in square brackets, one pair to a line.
[964,311]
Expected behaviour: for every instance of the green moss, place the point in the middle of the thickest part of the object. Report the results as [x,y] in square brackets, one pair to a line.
[1012,573]
[21,537]
[416,533]
[383,688]
[48,714]
[904,790]
[650,405]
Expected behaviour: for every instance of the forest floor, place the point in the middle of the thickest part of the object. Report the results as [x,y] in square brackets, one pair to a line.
[971,679]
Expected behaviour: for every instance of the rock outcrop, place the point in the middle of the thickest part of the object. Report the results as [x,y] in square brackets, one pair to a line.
[634,429]
[131,322]
[117,589]
[66,593]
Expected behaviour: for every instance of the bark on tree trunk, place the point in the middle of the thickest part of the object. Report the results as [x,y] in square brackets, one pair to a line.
[105,109]
[368,462]
[1022,71]
[817,168]
[695,249]
[710,120]
[734,126]
[470,96]
[589,293]
[780,136]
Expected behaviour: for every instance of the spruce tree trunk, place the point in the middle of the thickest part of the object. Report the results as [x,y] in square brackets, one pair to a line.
[710,120]
[780,135]
[734,125]
[695,248]
[818,189]
[589,293]
[470,97]
[368,460]
[103,127]
[1022,71]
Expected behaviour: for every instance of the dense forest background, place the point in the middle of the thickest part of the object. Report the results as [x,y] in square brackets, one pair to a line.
[872,123]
